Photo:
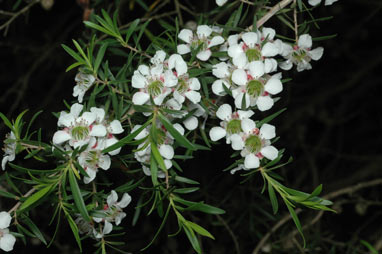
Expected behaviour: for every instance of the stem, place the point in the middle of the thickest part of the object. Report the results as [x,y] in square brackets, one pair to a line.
[14,208]
[295,21]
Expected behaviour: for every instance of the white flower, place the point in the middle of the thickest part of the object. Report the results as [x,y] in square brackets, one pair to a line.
[114,209]
[221,2]
[203,40]
[84,227]
[78,129]
[253,47]
[230,124]
[301,54]
[255,87]
[317,2]
[92,158]
[254,143]
[9,149]
[107,228]
[84,82]
[7,240]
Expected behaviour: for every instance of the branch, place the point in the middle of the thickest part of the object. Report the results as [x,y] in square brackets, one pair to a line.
[14,208]
[331,195]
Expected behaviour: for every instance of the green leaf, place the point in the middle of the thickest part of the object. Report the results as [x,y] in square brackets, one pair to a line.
[157,156]
[74,228]
[34,229]
[78,200]
[131,29]
[199,229]
[73,54]
[192,238]
[100,55]
[74,66]
[186,190]
[99,28]
[177,136]
[273,198]
[270,118]
[185,180]
[6,121]
[369,246]
[296,221]
[35,197]
[7,194]
[126,139]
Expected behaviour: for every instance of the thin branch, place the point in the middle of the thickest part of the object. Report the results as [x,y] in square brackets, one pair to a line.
[295,20]
[15,15]
[234,239]
[331,195]
[281,5]
[15,207]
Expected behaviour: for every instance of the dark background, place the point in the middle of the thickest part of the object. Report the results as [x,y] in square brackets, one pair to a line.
[331,129]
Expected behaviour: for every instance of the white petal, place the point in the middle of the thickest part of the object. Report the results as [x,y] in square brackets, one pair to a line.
[168,165]
[115,127]
[270,152]
[191,123]
[330,2]
[270,65]
[217,133]
[138,80]
[250,38]
[166,151]
[76,109]
[251,161]
[60,137]
[144,70]
[204,55]
[235,49]
[156,70]
[239,100]
[178,97]
[264,103]
[221,70]
[158,58]
[245,114]
[179,128]
[248,125]
[183,49]
[316,53]
[305,41]
[125,201]
[237,142]
[267,131]
[7,241]
[160,98]
[286,65]
[140,98]
[203,31]
[119,218]
[107,228]
[314,2]
[99,112]
[144,133]
[185,35]
[193,96]
[98,130]
[221,2]
[170,79]
[110,142]
[194,84]
[268,33]
[66,120]
[87,118]
[240,60]
[270,49]
[112,198]
[104,162]
[256,69]
[91,173]
[239,77]
[173,104]
[224,112]
[176,61]
[5,220]
[273,86]
[217,87]
[216,40]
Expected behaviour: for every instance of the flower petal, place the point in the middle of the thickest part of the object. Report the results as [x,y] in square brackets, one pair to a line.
[221,70]
[194,84]
[217,133]
[112,198]
[224,112]
[191,123]
[256,69]
[104,162]
[185,35]
[269,152]
[138,80]
[98,130]
[264,103]
[5,220]
[237,142]
[125,201]
[76,109]
[250,38]
[140,98]
[217,87]
[273,86]
[115,127]
[99,112]
[166,151]
[267,131]
[183,49]
[248,125]
[60,137]
[251,161]
[203,31]
[204,55]
[316,53]
[216,40]
[193,96]
[270,49]
[7,241]
[305,41]
[239,77]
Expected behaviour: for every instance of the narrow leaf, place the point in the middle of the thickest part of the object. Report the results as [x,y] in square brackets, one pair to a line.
[78,200]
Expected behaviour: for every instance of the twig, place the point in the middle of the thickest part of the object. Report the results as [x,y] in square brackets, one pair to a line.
[331,195]
[295,20]
[281,5]
[234,239]
[14,208]
[15,15]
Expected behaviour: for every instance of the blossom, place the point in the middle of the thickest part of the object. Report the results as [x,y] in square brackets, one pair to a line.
[230,124]
[84,82]
[114,208]
[107,228]
[203,41]
[221,2]
[254,87]
[9,149]
[7,240]
[317,2]
[301,54]
[77,129]
[254,143]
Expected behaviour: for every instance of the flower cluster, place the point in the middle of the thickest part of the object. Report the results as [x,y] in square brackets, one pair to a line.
[7,240]
[92,129]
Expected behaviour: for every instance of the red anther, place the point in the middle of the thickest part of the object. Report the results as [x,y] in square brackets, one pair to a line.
[213,101]
[259,155]
[105,207]
[262,38]
[243,90]
[256,131]
[109,136]
[245,46]
[91,127]
[175,73]
[265,94]
[295,47]
[95,145]
[161,78]
[85,168]
[249,77]
[163,128]
[172,89]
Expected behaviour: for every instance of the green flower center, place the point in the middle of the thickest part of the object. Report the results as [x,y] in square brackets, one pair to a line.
[80,132]
[234,126]
[253,144]
[300,55]
[255,88]
[92,158]
[155,88]
[161,136]
[201,44]
[182,86]
[253,55]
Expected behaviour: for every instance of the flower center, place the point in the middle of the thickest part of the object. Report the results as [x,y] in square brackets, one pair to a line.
[92,158]
[199,43]
[182,86]
[80,132]
[155,88]
[253,143]
[234,126]
[300,55]
[255,88]
[253,55]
